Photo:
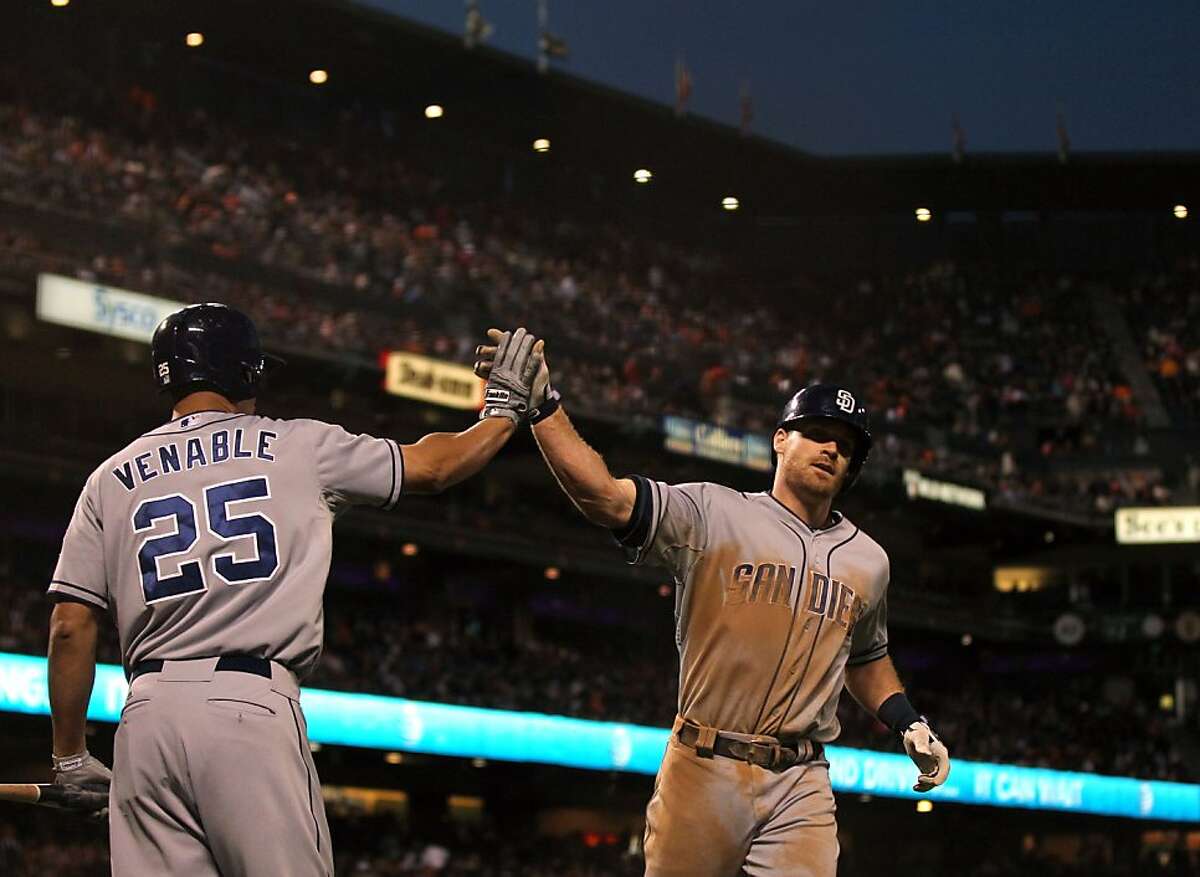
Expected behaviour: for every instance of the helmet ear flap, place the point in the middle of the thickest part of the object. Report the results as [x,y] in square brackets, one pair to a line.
[251,374]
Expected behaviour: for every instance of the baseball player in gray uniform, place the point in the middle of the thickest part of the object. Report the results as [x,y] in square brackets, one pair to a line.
[780,602]
[209,541]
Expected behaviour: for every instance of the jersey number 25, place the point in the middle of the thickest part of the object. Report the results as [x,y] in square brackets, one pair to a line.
[222,523]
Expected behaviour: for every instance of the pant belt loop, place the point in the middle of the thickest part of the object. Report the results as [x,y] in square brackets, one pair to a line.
[705,740]
[776,755]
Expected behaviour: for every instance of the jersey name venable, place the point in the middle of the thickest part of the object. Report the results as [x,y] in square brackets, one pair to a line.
[775,584]
[196,452]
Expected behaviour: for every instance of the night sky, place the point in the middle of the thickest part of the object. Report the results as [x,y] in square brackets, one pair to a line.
[881,76]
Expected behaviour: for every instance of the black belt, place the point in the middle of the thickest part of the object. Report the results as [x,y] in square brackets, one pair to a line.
[237,663]
[778,755]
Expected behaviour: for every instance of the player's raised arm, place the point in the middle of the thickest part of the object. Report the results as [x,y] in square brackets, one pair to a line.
[442,459]
[579,469]
[583,474]
[361,470]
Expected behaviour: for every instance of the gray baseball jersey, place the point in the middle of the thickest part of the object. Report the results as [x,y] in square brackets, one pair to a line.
[769,611]
[212,534]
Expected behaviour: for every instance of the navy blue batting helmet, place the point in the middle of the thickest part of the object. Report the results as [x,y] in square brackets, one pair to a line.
[830,402]
[209,347]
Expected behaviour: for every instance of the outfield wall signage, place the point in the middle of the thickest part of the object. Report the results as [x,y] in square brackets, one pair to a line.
[1157,526]
[694,438]
[919,486]
[432,380]
[98,308]
[391,723]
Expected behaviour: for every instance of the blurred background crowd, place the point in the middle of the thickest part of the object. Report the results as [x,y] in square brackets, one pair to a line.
[1048,357]
[983,371]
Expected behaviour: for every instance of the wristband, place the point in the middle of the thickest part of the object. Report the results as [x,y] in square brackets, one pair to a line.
[67,763]
[897,713]
[553,403]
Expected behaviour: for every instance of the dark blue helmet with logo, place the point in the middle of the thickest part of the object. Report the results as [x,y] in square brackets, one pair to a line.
[209,347]
[830,402]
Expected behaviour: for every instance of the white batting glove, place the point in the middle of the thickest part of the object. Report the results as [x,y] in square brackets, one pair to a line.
[929,754]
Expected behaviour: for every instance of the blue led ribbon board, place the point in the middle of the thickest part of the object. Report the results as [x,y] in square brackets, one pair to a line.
[376,722]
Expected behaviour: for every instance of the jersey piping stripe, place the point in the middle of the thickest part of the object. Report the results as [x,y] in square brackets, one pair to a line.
[388,502]
[699,519]
[400,486]
[837,516]
[662,513]
[307,772]
[95,594]
[192,428]
[792,626]
[817,634]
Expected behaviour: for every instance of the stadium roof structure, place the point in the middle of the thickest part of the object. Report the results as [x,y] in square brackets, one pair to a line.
[498,101]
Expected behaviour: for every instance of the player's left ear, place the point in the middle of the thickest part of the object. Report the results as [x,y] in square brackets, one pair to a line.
[779,440]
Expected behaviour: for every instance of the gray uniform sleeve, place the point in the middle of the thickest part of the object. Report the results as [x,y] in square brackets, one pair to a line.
[80,572]
[869,639]
[668,526]
[357,469]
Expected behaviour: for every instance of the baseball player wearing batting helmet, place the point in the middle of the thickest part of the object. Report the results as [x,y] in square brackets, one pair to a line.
[209,539]
[780,603]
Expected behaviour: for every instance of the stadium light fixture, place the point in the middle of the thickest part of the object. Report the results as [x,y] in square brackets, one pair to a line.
[60,3]
[434,111]
[924,214]
[642,176]
[1180,211]
[394,758]
[410,549]
[195,39]
[318,77]
[553,573]
[1166,702]
[924,806]
[730,203]
[541,145]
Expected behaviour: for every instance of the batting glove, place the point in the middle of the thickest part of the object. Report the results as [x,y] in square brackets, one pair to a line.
[510,380]
[81,770]
[543,399]
[929,754]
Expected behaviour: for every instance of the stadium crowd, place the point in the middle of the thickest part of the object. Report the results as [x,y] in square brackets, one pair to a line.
[33,844]
[1164,309]
[474,658]
[974,371]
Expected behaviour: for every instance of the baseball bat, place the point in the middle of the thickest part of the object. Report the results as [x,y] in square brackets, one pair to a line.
[67,797]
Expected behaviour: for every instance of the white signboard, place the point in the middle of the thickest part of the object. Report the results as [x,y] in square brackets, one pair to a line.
[98,308]
[432,380]
[920,487]
[1157,526]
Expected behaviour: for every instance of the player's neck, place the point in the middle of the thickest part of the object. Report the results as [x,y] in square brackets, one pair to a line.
[815,511]
[205,400]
